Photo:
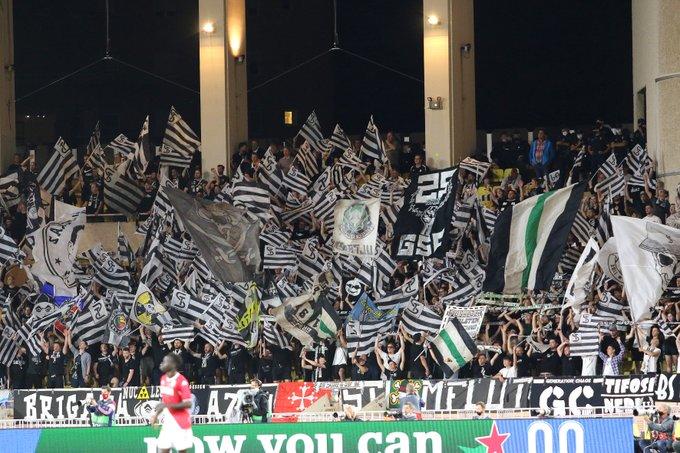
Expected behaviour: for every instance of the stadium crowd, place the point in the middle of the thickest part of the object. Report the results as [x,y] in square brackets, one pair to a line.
[519,340]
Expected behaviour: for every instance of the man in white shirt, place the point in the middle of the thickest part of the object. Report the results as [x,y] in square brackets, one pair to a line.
[649,210]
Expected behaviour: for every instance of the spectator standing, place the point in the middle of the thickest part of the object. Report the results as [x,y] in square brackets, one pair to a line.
[35,371]
[611,361]
[418,166]
[103,367]
[82,363]
[17,370]
[541,154]
[56,362]
[102,411]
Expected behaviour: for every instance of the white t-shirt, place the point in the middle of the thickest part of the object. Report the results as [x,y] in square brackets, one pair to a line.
[653,218]
[508,372]
[396,358]
[650,363]
[607,370]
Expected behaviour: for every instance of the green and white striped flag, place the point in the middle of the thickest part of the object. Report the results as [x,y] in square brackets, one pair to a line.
[528,241]
[453,347]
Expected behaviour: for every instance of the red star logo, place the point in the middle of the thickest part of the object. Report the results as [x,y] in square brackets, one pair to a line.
[494,441]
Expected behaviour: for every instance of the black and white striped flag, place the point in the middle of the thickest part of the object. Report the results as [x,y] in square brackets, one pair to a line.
[95,140]
[475,166]
[190,309]
[375,272]
[121,193]
[609,166]
[324,204]
[179,143]
[108,273]
[581,229]
[612,185]
[182,333]
[273,335]
[399,297]
[372,146]
[125,253]
[586,341]
[361,335]
[121,145]
[339,139]
[253,197]
[275,237]
[91,323]
[311,131]
[287,289]
[417,318]
[308,160]
[603,229]
[179,250]
[8,344]
[144,152]
[637,160]
[610,307]
[277,257]
[297,181]
[310,262]
[97,160]
[61,166]
[9,252]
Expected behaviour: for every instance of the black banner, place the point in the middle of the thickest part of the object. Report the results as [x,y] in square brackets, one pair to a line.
[47,404]
[586,395]
[465,393]
[423,224]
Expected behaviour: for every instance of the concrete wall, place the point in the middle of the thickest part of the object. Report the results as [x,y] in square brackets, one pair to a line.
[7,111]
[224,93]
[450,133]
[106,233]
[656,68]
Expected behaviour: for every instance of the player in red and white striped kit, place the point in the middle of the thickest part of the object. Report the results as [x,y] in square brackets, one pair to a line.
[175,406]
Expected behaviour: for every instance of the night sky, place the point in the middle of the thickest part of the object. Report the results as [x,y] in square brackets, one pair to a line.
[538,63]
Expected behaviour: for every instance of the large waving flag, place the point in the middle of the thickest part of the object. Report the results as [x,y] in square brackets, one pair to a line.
[649,254]
[529,240]
[453,347]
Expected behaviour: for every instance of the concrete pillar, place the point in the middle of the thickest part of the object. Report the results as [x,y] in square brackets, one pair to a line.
[449,69]
[7,111]
[224,90]
[656,82]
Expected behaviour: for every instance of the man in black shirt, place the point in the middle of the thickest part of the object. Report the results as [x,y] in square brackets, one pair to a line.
[523,362]
[208,363]
[129,370]
[571,366]
[35,371]
[418,166]
[481,367]
[103,366]
[17,370]
[549,361]
[281,364]
[417,364]
[236,364]
[56,362]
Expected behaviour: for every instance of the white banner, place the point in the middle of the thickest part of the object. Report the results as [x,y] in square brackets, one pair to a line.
[356,227]
[470,317]
[649,255]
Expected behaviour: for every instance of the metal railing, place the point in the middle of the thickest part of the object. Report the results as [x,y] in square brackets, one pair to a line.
[444,414]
